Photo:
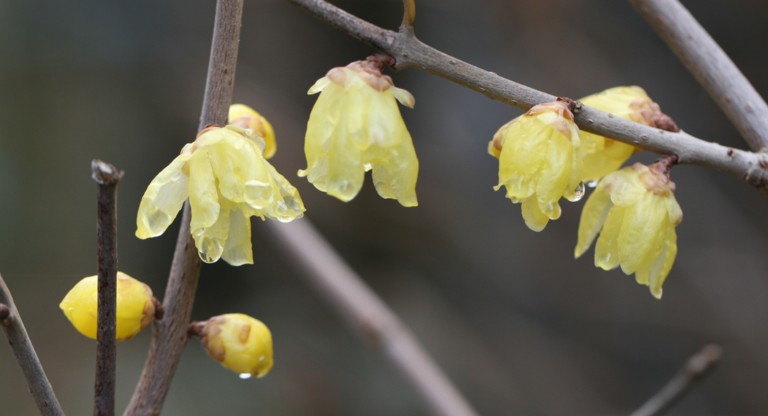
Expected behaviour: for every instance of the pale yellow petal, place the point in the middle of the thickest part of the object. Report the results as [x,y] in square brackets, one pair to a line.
[404,97]
[534,218]
[593,216]
[210,241]
[162,200]
[643,221]
[288,205]
[238,249]
[203,195]
[606,249]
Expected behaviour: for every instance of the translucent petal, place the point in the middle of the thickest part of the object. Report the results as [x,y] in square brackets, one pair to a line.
[395,171]
[663,264]
[318,86]
[606,250]
[555,174]
[238,249]
[203,195]
[640,230]
[593,216]
[162,200]
[404,97]
[288,205]
[234,163]
[534,218]
[210,241]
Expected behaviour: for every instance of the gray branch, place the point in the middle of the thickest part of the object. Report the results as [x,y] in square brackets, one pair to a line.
[408,52]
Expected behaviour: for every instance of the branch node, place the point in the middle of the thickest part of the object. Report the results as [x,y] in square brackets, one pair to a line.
[104,173]
[5,313]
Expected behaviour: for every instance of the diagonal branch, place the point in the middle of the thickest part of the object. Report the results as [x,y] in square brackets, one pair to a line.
[170,335]
[408,52]
[696,368]
[25,354]
[368,314]
[711,66]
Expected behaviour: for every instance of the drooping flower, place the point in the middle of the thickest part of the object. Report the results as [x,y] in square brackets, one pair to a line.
[238,342]
[135,306]
[356,126]
[603,155]
[635,212]
[539,161]
[227,180]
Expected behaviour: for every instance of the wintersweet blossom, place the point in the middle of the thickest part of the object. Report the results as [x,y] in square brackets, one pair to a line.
[635,212]
[603,155]
[356,126]
[246,117]
[135,306]
[238,342]
[227,180]
[539,161]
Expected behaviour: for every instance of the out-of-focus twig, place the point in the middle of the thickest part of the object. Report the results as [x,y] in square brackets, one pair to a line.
[25,354]
[711,66]
[107,177]
[409,14]
[696,368]
[346,291]
[408,51]
[170,335]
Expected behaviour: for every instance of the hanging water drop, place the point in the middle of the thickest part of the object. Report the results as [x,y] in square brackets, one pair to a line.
[245,376]
[578,193]
[593,184]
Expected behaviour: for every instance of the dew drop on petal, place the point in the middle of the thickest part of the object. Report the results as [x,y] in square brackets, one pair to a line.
[577,193]
[593,184]
[245,376]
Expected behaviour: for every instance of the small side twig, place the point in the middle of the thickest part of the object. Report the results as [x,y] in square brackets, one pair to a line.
[107,177]
[409,51]
[696,368]
[409,15]
[169,337]
[25,354]
[346,291]
[710,66]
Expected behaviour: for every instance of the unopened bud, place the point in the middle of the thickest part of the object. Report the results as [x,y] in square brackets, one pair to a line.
[238,342]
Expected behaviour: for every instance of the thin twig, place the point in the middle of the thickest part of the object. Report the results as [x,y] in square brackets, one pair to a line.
[408,51]
[346,291]
[696,368]
[711,66]
[25,354]
[409,14]
[170,335]
[107,177]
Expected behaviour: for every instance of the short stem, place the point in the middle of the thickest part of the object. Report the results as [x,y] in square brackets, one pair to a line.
[25,354]
[170,335]
[107,177]
[409,15]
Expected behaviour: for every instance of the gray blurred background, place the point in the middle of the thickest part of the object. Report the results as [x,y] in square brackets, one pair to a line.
[515,321]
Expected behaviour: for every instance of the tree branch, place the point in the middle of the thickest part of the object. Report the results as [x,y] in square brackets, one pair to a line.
[346,291]
[696,368]
[711,66]
[170,335]
[25,354]
[107,177]
[408,52]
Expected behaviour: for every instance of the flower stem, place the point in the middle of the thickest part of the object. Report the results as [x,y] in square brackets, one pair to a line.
[170,335]
[107,177]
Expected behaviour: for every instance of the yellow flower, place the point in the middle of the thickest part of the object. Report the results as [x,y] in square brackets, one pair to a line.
[636,209]
[238,342]
[227,180]
[355,126]
[134,304]
[243,116]
[603,155]
[539,161]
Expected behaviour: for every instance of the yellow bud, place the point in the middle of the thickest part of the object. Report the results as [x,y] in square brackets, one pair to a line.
[238,342]
[135,306]
[246,117]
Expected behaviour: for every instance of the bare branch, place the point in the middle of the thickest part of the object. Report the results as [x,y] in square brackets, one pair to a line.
[696,368]
[711,66]
[170,335]
[107,177]
[25,354]
[346,291]
[408,51]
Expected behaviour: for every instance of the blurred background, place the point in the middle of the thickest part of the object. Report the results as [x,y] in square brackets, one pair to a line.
[518,324]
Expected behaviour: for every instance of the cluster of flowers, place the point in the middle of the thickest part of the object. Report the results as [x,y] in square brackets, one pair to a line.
[355,127]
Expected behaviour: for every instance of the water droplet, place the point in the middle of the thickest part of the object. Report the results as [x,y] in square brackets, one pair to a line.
[578,193]
[593,184]
[245,376]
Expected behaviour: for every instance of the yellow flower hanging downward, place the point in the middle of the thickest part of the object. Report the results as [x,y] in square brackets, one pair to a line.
[637,212]
[603,155]
[355,126]
[227,180]
[539,161]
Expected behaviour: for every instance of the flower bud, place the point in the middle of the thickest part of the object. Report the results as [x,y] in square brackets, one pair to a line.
[238,342]
[134,304]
